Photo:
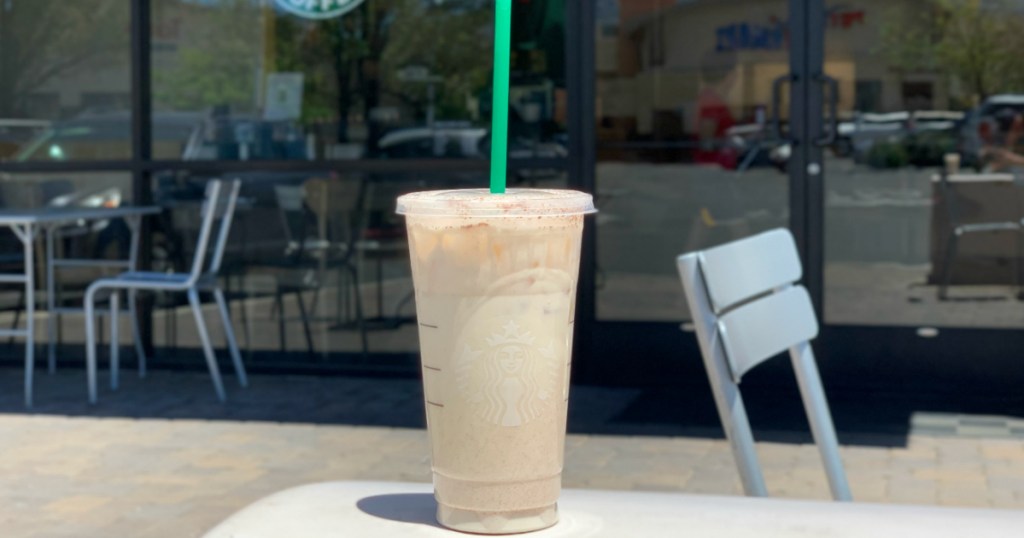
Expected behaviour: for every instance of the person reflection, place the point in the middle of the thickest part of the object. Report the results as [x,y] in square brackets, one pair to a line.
[1001,135]
[714,117]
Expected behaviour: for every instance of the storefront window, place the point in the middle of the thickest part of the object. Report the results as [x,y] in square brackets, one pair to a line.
[64,74]
[373,79]
[925,88]
[687,156]
[313,260]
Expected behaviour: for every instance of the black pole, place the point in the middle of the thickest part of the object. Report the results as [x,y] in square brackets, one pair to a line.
[814,182]
[580,82]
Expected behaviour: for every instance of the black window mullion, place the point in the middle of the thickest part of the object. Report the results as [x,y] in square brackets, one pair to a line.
[580,82]
[142,147]
[814,208]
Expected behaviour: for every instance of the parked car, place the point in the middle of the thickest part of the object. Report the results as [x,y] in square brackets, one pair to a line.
[905,137]
[457,140]
[987,125]
[753,145]
[15,132]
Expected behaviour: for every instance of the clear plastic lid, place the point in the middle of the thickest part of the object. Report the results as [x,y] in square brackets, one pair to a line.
[481,203]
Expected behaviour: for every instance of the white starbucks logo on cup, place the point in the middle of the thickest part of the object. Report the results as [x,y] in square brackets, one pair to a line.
[508,376]
[319,9]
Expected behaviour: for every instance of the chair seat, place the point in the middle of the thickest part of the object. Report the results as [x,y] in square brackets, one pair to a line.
[152,276]
[987,227]
[154,281]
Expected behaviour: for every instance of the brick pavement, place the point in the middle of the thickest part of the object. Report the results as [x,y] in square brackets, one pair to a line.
[162,458]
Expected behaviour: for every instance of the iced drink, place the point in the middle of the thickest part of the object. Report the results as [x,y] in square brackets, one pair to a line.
[495,279]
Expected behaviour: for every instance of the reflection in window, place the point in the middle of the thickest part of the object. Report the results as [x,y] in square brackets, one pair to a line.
[936,86]
[60,61]
[313,259]
[401,79]
[686,155]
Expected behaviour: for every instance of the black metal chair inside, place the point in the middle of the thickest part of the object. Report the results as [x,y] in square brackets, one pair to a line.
[299,265]
[382,236]
[956,228]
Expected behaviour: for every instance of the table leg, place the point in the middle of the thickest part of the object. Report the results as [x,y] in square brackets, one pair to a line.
[51,303]
[135,227]
[380,286]
[115,339]
[27,233]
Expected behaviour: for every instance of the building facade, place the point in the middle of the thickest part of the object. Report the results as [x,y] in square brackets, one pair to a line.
[693,122]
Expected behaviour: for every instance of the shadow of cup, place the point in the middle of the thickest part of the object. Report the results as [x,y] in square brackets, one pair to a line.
[404,507]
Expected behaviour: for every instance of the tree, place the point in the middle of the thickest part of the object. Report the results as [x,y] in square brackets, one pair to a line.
[977,42]
[43,40]
[351,62]
[452,41]
[219,63]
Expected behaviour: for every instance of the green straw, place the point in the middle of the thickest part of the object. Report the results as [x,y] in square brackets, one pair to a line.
[499,117]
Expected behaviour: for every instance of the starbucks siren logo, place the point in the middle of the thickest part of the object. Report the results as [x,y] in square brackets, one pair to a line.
[319,9]
[509,377]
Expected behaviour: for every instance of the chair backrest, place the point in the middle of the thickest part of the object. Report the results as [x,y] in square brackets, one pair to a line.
[291,206]
[748,307]
[217,212]
[979,198]
[333,203]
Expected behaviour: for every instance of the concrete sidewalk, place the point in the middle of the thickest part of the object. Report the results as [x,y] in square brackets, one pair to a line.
[162,458]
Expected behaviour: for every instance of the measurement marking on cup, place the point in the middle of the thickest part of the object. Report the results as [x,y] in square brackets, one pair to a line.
[434,368]
[435,404]
[428,326]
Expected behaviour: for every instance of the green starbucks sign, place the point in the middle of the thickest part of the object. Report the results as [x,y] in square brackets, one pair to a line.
[319,9]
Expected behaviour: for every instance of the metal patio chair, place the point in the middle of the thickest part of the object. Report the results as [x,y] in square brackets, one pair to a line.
[748,307]
[957,226]
[216,215]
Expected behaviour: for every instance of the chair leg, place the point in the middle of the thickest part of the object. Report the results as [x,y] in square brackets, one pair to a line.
[247,323]
[140,350]
[315,303]
[279,306]
[361,320]
[204,337]
[30,364]
[947,266]
[229,335]
[341,298]
[816,407]
[17,315]
[244,313]
[90,341]
[305,322]
[115,339]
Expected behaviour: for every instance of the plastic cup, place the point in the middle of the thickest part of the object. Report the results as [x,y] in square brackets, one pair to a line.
[952,162]
[495,279]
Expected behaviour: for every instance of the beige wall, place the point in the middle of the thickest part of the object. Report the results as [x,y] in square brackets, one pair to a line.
[686,34]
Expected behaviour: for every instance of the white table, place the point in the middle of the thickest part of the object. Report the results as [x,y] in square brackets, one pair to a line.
[380,509]
[27,225]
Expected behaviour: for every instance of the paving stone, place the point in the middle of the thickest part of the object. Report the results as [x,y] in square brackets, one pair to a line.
[161,458]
